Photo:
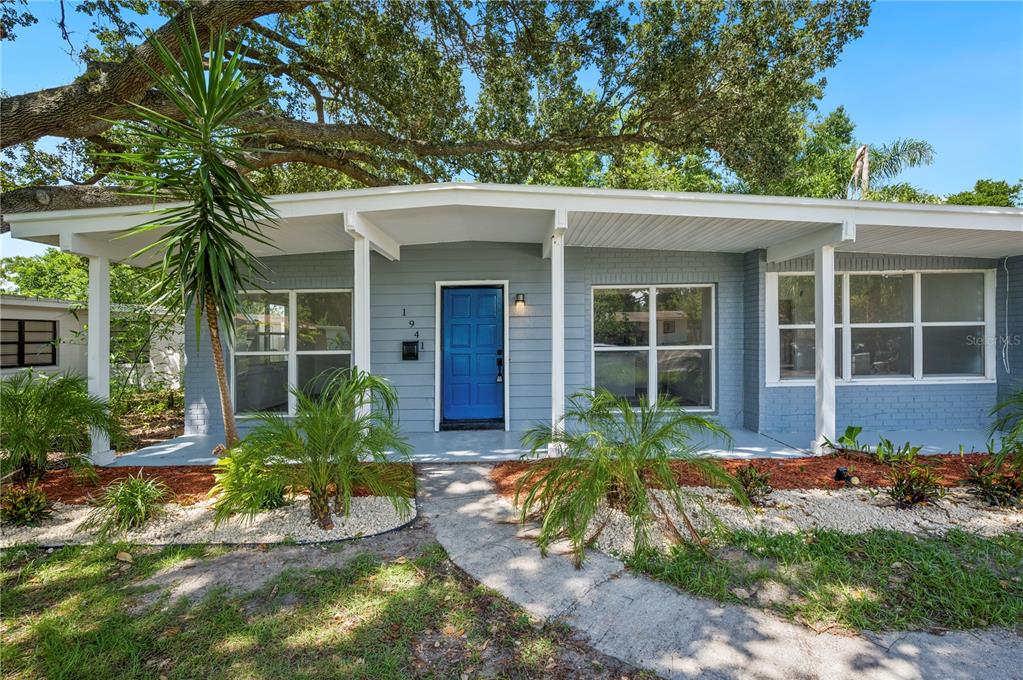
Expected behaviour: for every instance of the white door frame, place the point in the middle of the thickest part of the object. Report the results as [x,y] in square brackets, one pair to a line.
[438,348]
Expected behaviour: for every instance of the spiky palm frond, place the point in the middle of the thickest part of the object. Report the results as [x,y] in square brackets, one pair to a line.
[889,160]
[41,413]
[611,452]
[197,155]
[1009,419]
[340,440]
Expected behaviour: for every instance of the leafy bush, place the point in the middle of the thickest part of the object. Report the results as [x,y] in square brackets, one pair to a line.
[127,504]
[43,413]
[338,441]
[911,481]
[755,484]
[611,452]
[999,480]
[245,484]
[24,506]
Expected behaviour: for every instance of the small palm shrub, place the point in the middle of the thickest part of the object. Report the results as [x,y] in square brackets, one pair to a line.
[755,484]
[337,442]
[610,452]
[24,506]
[127,504]
[42,413]
[245,485]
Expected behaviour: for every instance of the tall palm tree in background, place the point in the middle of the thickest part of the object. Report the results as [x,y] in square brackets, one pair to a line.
[197,154]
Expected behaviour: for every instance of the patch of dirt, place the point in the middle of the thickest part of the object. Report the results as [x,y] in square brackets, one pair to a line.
[246,570]
[190,484]
[816,472]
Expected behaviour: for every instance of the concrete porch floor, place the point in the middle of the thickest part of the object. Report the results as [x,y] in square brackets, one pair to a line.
[492,446]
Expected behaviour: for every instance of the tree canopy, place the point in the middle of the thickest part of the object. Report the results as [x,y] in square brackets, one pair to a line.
[390,92]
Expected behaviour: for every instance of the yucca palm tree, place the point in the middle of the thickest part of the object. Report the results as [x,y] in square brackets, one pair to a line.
[611,452]
[41,413]
[339,440]
[198,155]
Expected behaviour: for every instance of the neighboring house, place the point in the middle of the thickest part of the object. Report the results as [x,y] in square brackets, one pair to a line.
[486,305]
[49,335]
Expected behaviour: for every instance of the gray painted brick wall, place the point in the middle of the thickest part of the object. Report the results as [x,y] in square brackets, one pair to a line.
[1009,303]
[742,398]
[876,407]
[587,267]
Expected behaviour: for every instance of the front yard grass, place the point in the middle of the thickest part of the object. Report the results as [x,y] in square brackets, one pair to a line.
[882,580]
[78,612]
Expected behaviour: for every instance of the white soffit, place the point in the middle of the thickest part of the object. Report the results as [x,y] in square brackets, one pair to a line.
[932,241]
[453,223]
[617,230]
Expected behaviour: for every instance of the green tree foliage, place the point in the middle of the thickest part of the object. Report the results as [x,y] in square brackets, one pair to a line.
[394,92]
[65,276]
[823,163]
[990,192]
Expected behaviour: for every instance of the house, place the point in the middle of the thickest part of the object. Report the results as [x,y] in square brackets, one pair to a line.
[49,336]
[486,305]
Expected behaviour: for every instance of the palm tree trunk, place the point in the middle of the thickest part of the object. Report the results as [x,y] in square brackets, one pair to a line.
[319,509]
[226,408]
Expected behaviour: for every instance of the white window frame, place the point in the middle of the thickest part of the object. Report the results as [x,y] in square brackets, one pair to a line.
[293,352]
[772,327]
[652,347]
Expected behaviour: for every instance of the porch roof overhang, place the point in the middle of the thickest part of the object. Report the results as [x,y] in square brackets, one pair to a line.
[393,217]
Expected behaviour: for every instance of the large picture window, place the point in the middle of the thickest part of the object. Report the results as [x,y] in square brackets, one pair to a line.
[898,325]
[27,342]
[655,340]
[287,338]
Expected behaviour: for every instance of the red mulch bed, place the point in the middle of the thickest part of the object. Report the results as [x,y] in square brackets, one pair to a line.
[789,473]
[189,483]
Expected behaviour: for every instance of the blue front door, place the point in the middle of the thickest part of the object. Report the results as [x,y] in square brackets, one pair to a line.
[472,339]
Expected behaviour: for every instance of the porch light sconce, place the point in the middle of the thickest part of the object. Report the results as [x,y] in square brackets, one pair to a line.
[520,299]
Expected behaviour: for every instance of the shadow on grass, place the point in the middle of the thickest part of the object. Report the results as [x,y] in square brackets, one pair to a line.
[75,613]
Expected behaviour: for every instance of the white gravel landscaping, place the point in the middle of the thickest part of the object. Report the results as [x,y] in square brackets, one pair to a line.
[194,524]
[847,510]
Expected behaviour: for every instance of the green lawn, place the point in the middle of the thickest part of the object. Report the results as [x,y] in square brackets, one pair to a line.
[78,612]
[882,580]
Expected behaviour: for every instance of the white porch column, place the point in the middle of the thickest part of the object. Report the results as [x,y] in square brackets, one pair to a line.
[98,348]
[360,304]
[824,355]
[558,316]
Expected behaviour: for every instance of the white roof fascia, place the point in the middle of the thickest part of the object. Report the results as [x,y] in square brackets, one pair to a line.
[572,199]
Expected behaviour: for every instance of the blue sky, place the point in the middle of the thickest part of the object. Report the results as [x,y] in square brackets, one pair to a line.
[947,72]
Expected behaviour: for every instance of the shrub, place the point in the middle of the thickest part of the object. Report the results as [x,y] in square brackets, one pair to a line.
[999,480]
[24,506]
[611,452]
[43,413]
[245,484]
[338,441]
[755,484]
[911,481]
[127,504]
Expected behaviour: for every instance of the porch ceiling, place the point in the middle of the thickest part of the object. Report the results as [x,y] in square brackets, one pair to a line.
[413,215]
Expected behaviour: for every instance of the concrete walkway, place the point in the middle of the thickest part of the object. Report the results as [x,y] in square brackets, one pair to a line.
[655,626]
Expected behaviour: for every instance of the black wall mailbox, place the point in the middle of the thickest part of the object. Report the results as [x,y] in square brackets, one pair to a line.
[409,350]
